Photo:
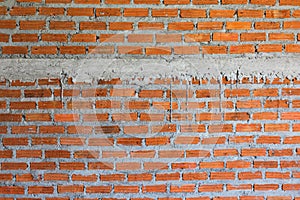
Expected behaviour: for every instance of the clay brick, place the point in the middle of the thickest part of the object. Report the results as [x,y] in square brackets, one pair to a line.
[250,13]
[51,11]
[92,26]
[14,49]
[62,25]
[164,12]
[22,11]
[100,12]
[221,13]
[192,13]
[180,26]
[264,2]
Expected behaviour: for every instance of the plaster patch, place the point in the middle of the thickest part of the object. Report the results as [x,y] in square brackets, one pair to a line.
[130,69]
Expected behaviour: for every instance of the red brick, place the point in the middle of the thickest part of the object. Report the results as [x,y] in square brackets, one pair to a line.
[192,13]
[14,50]
[11,190]
[62,25]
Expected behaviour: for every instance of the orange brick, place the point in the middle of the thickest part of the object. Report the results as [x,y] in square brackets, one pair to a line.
[268,140]
[265,164]
[234,1]
[222,175]
[168,12]
[140,38]
[92,26]
[117,1]
[249,175]
[100,12]
[238,164]
[180,26]
[98,189]
[40,190]
[85,178]
[241,139]
[154,188]
[58,1]
[276,127]
[182,188]
[201,37]
[238,25]
[55,177]
[268,48]
[24,129]
[15,141]
[265,92]
[136,12]
[71,165]
[54,37]
[276,104]
[242,49]
[22,11]
[214,49]
[289,3]
[43,50]
[83,38]
[277,13]
[12,190]
[66,117]
[291,25]
[120,26]
[111,38]
[292,48]
[281,152]
[112,177]
[265,187]
[38,117]
[72,50]
[210,188]
[57,154]
[14,166]
[253,152]
[8,24]
[62,25]
[192,13]
[289,164]
[210,25]
[221,13]
[253,36]
[44,141]
[80,12]
[248,127]
[32,25]
[158,50]
[146,2]
[265,116]
[51,11]
[149,25]
[14,50]
[176,2]
[264,2]
[266,25]
[70,188]
[225,37]
[250,13]
[186,50]
[278,175]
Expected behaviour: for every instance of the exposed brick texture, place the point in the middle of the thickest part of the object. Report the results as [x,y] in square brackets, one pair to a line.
[170,139]
[70,28]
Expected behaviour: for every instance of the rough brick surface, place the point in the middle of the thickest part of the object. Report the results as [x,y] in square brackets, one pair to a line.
[71,28]
[170,139]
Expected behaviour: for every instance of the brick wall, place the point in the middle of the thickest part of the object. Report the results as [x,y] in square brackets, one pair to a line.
[36,28]
[219,138]
[171,139]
